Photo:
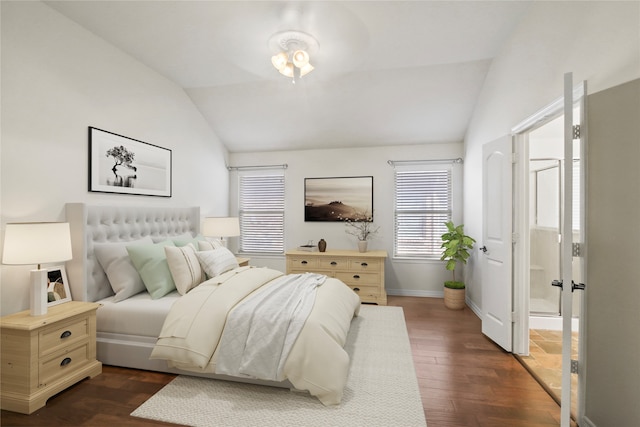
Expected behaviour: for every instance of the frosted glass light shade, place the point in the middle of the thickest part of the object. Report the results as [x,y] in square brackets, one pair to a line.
[287,70]
[221,227]
[36,243]
[300,58]
[279,61]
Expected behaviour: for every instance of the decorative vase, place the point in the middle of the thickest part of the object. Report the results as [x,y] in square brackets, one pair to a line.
[362,245]
[322,245]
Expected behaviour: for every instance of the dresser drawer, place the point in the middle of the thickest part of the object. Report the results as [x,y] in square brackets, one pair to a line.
[366,293]
[357,279]
[53,339]
[333,263]
[302,263]
[364,264]
[63,363]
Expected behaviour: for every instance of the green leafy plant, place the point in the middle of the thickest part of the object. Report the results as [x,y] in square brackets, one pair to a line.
[455,247]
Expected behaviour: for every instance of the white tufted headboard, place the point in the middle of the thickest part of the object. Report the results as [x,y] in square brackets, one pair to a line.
[101,224]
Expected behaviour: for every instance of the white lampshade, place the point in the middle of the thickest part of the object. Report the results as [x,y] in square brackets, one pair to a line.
[221,227]
[36,243]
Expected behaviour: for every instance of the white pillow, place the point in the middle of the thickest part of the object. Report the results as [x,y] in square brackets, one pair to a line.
[217,261]
[209,244]
[122,274]
[185,267]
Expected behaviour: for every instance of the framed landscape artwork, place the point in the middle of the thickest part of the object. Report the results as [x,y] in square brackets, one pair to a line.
[118,164]
[338,199]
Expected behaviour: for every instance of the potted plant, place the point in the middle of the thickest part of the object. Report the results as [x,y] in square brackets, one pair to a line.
[363,229]
[455,247]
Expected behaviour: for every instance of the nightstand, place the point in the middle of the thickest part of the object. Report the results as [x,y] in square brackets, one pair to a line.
[43,355]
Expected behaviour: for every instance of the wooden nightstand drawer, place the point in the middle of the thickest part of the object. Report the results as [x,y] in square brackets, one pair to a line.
[64,363]
[43,355]
[60,336]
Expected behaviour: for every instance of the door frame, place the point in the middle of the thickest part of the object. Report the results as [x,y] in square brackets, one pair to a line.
[521,251]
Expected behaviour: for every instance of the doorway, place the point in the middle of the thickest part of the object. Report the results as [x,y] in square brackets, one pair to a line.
[545,171]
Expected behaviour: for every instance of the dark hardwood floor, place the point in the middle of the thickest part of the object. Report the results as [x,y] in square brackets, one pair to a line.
[465,381]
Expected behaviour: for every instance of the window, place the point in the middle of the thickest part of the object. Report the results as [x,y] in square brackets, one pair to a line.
[262,213]
[423,204]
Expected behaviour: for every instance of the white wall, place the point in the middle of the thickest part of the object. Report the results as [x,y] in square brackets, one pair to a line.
[58,79]
[596,41]
[419,278]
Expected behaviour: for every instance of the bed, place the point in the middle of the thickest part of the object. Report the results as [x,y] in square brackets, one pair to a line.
[131,325]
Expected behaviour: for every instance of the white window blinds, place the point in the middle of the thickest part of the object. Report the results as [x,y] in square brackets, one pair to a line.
[262,213]
[423,204]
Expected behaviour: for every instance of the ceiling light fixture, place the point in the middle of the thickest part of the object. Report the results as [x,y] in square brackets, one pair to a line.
[292,52]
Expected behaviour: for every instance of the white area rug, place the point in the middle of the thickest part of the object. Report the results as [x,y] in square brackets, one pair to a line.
[382,389]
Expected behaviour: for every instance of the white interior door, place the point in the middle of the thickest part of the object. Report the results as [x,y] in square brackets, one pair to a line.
[572,263]
[497,241]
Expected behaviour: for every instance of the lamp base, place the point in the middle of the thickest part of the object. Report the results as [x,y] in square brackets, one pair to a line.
[39,292]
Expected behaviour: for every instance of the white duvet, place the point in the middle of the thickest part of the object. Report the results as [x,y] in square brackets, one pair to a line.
[317,361]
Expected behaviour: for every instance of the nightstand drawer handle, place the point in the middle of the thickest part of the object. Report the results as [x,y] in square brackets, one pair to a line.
[364,264]
[65,361]
[334,263]
[355,276]
[65,334]
[356,289]
[303,262]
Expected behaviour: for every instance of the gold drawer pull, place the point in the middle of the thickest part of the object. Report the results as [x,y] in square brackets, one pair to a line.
[364,264]
[355,276]
[334,263]
[65,334]
[65,361]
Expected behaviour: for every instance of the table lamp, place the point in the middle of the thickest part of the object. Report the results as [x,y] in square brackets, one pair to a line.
[37,243]
[221,227]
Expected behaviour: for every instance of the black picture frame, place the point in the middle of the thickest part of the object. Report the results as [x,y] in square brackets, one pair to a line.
[123,165]
[337,199]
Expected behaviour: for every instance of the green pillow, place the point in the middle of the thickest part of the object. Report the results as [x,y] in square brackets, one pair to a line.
[151,263]
[185,240]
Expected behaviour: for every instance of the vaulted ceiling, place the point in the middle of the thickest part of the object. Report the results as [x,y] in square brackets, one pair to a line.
[386,72]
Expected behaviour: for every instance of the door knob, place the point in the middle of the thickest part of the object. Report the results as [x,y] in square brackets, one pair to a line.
[557,283]
[578,286]
[484,249]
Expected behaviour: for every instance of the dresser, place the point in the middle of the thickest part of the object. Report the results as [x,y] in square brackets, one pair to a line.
[43,355]
[361,271]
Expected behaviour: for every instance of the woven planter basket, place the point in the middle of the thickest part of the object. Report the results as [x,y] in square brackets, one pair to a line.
[454,299]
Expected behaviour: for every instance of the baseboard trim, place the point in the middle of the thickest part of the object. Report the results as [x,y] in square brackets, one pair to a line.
[474,307]
[415,293]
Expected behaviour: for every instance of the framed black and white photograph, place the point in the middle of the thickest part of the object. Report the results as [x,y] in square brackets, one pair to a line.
[57,286]
[338,199]
[118,164]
